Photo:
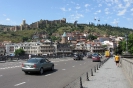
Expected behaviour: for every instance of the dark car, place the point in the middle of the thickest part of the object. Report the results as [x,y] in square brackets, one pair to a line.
[37,64]
[78,57]
[96,58]
[89,55]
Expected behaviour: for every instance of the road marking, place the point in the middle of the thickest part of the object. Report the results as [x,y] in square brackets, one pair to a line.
[73,66]
[10,67]
[65,63]
[1,75]
[47,74]
[80,64]
[20,84]
[63,69]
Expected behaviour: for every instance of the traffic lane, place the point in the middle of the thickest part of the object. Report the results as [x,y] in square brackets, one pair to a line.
[63,74]
[14,74]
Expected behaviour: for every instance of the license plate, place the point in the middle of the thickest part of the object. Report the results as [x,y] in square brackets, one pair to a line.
[27,66]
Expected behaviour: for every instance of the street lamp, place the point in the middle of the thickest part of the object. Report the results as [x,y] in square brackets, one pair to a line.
[126,37]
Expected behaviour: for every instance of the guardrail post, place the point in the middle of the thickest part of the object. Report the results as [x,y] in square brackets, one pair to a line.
[95,69]
[87,76]
[99,64]
[81,86]
[91,72]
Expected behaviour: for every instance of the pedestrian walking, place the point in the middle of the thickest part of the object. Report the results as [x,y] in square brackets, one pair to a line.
[29,56]
[117,60]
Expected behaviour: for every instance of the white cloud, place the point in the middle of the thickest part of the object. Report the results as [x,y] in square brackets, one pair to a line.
[63,9]
[78,7]
[86,5]
[121,12]
[76,16]
[72,2]
[69,9]
[132,9]
[115,21]
[98,11]
[108,4]
[106,11]
[99,5]
[7,19]
[127,5]
[129,19]
[120,6]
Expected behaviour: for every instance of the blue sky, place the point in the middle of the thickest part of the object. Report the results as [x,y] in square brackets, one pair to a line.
[113,12]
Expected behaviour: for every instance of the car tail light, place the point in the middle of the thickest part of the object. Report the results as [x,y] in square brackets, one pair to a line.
[22,65]
[34,66]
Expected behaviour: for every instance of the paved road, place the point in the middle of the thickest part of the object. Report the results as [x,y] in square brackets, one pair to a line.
[66,70]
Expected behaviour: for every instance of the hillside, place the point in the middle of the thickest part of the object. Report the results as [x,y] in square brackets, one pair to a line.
[27,34]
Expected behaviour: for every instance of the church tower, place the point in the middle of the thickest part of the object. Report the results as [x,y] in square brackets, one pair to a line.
[64,38]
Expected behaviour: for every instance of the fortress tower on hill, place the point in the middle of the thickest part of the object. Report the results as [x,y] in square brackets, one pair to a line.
[37,24]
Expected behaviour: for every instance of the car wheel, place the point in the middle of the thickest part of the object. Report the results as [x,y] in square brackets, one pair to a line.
[52,68]
[41,71]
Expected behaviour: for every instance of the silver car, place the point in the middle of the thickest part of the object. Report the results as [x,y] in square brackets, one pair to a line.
[37,64]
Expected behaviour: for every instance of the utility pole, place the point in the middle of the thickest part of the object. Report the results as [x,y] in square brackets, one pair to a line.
[126,36]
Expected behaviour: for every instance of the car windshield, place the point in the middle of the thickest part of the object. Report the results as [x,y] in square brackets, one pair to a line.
[33,60]
[95,54]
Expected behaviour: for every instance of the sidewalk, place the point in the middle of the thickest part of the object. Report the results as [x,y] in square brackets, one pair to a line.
[108,76]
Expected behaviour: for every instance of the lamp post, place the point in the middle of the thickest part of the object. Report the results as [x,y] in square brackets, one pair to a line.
[126,37]
[96,20]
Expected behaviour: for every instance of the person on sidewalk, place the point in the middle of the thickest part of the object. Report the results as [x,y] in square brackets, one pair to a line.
[29,56]
[117,60]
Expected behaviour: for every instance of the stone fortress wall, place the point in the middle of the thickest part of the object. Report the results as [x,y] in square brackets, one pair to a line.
[24,26]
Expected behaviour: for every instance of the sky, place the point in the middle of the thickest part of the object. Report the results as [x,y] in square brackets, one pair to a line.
[113,12]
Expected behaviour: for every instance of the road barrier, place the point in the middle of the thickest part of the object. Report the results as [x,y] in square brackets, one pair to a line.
[77,83]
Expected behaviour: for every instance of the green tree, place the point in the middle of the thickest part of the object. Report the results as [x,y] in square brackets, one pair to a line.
[25,39]
[19,52]
[130,43]
[91,37]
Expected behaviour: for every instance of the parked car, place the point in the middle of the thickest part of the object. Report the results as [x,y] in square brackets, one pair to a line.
[78,57]
[89,55]
[37,64]
[96,57]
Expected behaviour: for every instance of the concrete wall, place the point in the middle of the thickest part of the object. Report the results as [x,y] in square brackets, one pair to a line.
[127,66]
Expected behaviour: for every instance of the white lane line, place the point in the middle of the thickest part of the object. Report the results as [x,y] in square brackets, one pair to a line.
[63,69]
[80,64]
[20,84]
[65,63]
[11,67]
[1,75]
[47,74]
[73,66]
